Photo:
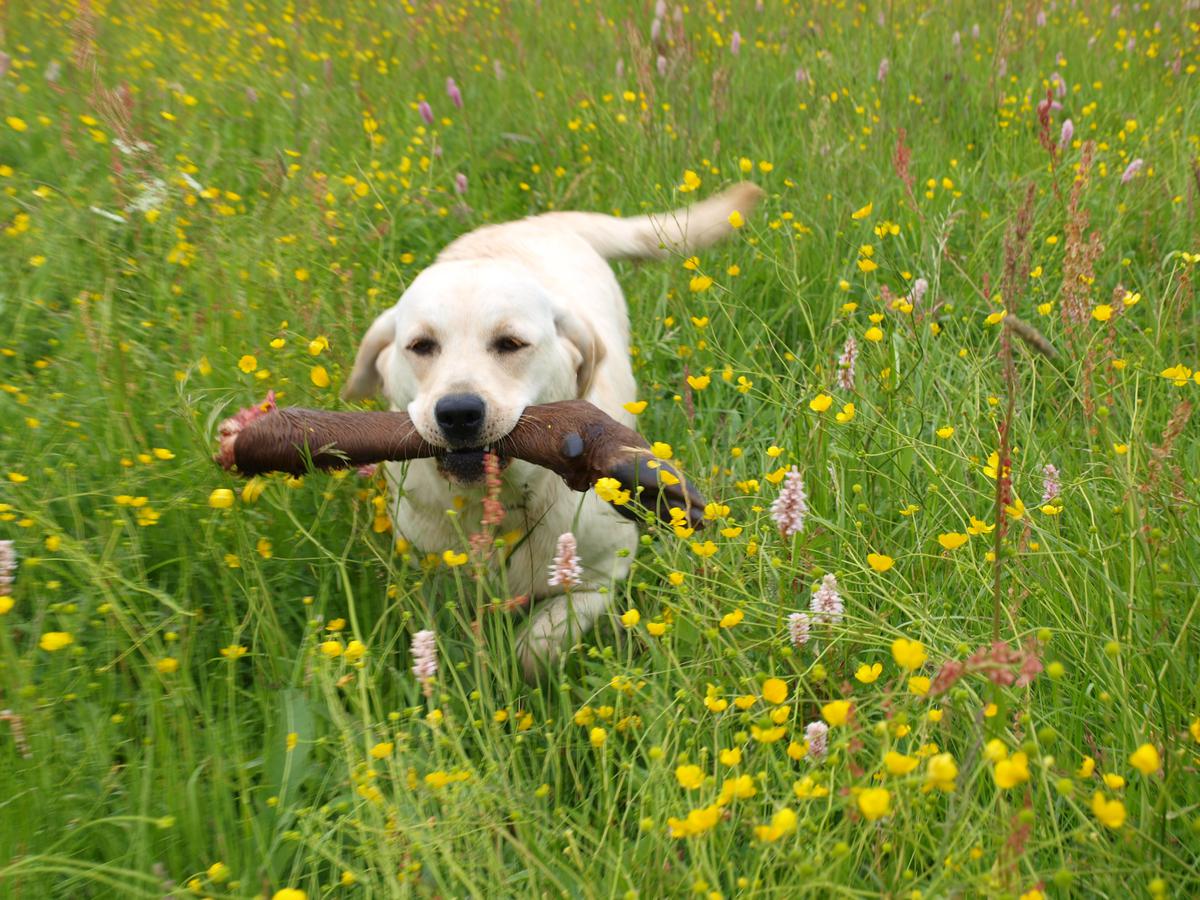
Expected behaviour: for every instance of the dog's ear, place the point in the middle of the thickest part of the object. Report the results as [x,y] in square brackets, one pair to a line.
[366,378]
[587,345]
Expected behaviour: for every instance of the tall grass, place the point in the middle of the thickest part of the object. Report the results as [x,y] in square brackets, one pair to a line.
[193,197]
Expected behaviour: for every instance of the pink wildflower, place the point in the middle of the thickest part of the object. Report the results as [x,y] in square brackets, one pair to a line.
[426,111]
[791,506]
[460,184]
[799,625]
[1068,132]
[1051,488]
[454,93]
[493,509]
[919,289]
[8,567]
[826,604]
[17,726]
[735,43]
[424,654]
[881,73]
[817,735]
[565,571]
[846,364]
[1131,170]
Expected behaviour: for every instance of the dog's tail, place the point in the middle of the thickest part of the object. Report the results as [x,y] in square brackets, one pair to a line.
[660,235]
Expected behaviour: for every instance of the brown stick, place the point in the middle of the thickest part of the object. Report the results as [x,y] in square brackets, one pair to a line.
[573,438]
[296,440]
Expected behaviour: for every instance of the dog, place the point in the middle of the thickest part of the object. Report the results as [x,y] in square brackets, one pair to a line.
[508,316]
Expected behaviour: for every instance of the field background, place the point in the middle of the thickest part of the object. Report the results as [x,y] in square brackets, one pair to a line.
[184,186]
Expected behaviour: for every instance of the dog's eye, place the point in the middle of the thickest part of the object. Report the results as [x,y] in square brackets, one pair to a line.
[423,347]
[508,344]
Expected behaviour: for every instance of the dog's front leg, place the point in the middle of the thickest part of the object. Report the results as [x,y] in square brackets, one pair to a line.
[556,624]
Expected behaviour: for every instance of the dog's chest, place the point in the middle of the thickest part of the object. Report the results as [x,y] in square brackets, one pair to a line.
[435,516]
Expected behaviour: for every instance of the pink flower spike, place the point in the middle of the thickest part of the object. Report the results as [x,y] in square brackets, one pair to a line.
[1068,132]
[799,626]
[566,570]
[1131,170]
[827,605]
[817,735]
[847,360]
[426,112]
[1051,488]
[791,506]
[424,654]
[8,567]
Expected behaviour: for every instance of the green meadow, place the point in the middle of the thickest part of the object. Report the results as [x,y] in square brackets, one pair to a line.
[965,313]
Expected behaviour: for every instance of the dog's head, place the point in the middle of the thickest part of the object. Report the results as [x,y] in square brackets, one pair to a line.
[469,345]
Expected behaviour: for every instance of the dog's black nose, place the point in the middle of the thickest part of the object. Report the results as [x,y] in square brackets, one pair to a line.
[460,416]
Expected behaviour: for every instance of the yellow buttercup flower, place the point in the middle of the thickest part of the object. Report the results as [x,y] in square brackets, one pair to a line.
[782,823]
[53,641]
[952,540]
[807,789]
[836,712]
[609,490]
[867,674]
[1145,759]
[879,562]
[941,772]
[899,763]
[775,690]
[874,803]
[908,654]
[1111,813]
[221,498]
[1008,773]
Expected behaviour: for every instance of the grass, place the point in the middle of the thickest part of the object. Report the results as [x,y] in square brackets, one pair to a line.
[289,188]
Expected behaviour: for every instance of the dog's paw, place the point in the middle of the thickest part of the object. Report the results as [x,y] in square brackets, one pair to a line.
[554,626]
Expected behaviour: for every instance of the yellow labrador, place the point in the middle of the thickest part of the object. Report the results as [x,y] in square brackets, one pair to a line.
[509,316]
